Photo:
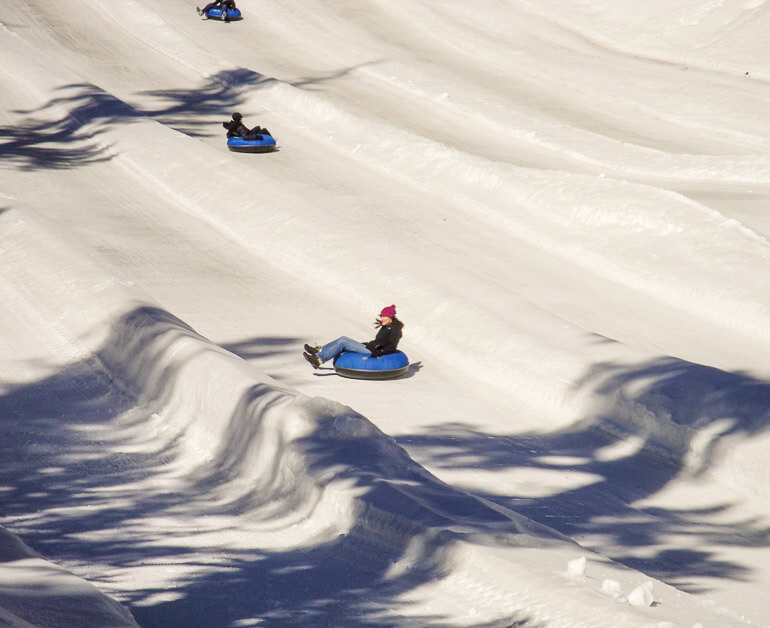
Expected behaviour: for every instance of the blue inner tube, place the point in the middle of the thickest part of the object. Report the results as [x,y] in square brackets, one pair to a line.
[232,14]
[363,366]
[240,145]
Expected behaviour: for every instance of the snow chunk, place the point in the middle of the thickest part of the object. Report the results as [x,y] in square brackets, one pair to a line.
[641,595]
[577,567]
[612,587]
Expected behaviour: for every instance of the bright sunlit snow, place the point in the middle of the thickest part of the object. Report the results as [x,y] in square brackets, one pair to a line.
[566,200]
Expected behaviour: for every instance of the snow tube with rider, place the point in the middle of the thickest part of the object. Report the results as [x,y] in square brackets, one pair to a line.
[364,366]
[240,145]
[219,14]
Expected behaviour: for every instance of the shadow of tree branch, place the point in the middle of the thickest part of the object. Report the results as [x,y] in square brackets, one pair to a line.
[50,139]
[84,472]
[662,405]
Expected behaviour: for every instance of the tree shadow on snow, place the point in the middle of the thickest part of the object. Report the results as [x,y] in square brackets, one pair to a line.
[312,83]
[187,110]
[45,143]
[632,448]
[86,460]
[65,131]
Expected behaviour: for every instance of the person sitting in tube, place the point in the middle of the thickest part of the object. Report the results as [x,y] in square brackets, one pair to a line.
[386,341]
[236,128]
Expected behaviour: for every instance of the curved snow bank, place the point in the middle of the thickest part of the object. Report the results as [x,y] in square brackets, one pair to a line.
[287,472]
[705,419]
[482,105]
[607,121]
[609,232]
[35,592]
[727,36]
[143,20]
[608,227]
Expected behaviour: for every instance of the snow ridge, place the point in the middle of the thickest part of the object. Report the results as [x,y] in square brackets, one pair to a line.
[218,420]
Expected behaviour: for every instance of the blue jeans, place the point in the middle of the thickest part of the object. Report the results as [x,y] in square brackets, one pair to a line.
[332,349]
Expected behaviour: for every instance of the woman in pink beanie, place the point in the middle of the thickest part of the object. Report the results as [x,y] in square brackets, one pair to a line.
[386,341]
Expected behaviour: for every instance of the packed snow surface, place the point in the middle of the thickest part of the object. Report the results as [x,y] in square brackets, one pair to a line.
[568,203]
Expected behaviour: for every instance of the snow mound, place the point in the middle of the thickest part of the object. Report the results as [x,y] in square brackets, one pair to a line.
[279,471]
[70,601]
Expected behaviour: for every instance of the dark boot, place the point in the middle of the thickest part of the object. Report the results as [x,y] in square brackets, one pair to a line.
[313,359]
[312,350]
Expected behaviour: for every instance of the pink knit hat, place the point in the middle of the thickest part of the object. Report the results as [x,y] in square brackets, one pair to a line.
[389,311]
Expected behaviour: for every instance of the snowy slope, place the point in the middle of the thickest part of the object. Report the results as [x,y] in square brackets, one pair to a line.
[566,205]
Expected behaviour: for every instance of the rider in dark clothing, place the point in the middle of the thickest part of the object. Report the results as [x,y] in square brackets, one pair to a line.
[236,128]
[225,5]
[386,341]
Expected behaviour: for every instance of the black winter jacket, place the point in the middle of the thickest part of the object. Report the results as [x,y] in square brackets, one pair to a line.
[239,129]
[386,340]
